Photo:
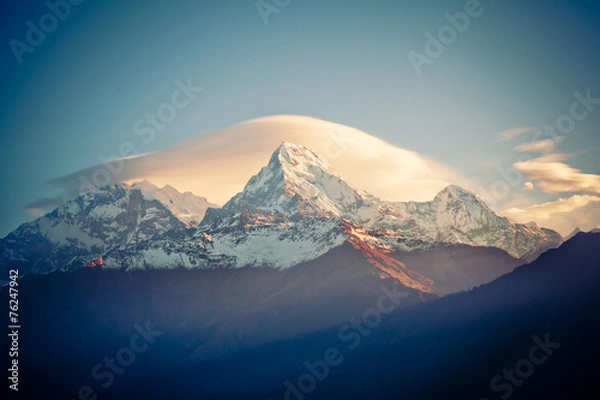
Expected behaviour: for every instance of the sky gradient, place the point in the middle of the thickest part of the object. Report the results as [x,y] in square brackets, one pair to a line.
[79,94]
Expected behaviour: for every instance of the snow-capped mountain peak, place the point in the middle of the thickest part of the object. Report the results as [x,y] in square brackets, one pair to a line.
[187,207]
[455,191]
[295,158]
[297,181]
[100,220]
[454,195]
[460,208]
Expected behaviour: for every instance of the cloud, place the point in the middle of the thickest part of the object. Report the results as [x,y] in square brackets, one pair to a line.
[554,176]
[563,215]
[509,134]
[541,146]
[550,173]
[217,164]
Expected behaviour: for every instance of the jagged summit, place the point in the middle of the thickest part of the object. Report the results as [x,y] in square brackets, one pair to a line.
[461,208]
[293,155]
[455,190]
[452,193]
[297,180]
[187,207]
[99,220]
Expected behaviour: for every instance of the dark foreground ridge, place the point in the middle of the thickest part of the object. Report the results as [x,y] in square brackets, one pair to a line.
[311,333]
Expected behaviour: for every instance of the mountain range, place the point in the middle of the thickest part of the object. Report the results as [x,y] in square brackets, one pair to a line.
[294,210]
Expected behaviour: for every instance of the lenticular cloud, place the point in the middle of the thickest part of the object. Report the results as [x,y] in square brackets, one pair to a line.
[218,164]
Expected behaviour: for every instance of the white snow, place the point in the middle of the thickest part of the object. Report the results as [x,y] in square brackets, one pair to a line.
[267,247]
[106,211]
[187,207]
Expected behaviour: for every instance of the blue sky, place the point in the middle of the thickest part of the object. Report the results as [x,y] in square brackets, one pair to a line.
[78,94]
